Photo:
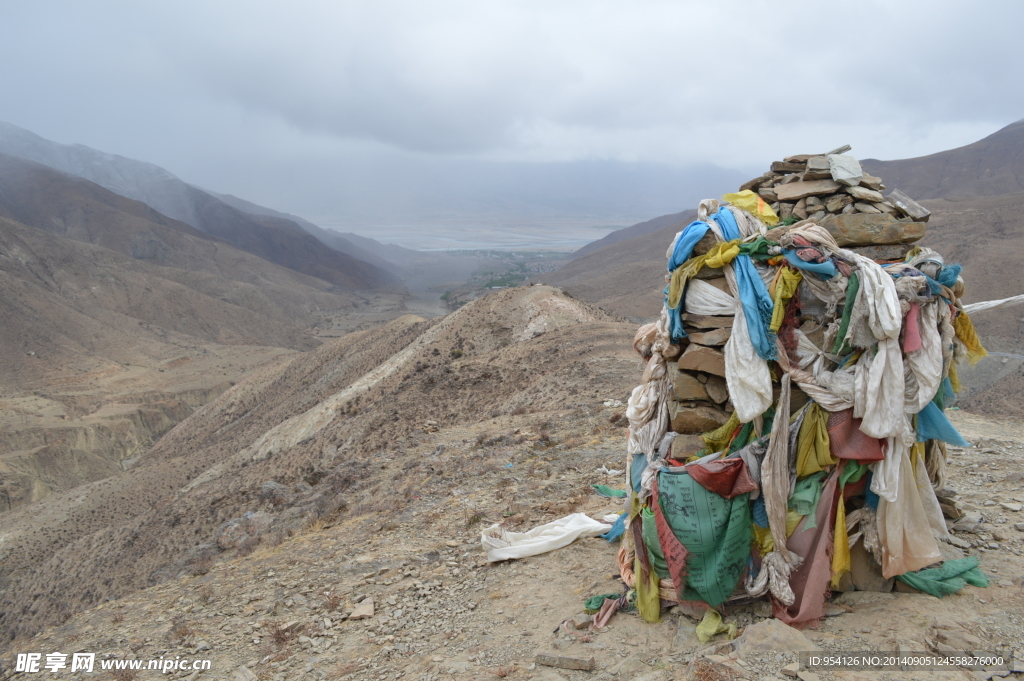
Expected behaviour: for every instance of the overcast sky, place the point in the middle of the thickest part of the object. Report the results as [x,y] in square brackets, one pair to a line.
[235,95]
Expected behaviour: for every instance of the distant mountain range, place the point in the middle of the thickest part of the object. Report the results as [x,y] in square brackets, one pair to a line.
[276,237]
[993,166]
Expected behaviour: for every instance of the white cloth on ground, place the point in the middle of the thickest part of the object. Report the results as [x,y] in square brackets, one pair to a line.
[501,544]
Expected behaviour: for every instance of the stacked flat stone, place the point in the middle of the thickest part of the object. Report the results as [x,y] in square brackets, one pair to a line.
[833,191]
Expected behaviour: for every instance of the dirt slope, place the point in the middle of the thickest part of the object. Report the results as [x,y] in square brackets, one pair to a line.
[328,417]
[625,278]
[638,229]
[409,541]
[989,167]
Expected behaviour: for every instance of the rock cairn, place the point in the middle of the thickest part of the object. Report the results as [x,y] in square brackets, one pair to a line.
[831,190]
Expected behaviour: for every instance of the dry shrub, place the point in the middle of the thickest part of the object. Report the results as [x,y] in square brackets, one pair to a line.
[616,417]
[280,635]
[123,674]
[180,631]
[473,518]
[248,545]
[332,602]
[574,441]
[519,411]
[117,618]
[204,564]
[205,594]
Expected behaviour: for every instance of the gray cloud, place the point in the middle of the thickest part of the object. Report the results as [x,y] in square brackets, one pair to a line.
[211,89]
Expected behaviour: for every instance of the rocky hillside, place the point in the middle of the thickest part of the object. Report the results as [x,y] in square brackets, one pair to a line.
[992,166]
[393,583]
[344,419]
[267,234]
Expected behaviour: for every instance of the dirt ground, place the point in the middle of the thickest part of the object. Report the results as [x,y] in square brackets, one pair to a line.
[442,612]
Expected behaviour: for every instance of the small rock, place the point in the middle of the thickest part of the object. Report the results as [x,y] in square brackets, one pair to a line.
[855,598]
[581,621]
[630,666]
[553,659]
[1019,527]
[712,337]
[772,635]
[808,676]
[958,542]
[702,358]
[791,669]
[202,645]
[864,194]
[244,674]
[364,610]
[694,419]
[1012,506]
[798,190]
[909,207]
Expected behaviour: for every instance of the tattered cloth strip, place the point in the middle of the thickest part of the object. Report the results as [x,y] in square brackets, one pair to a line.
[972,308]
[725,477]
[813,453]
[969,337]
[608,492]
[752,293]
[704,536]
[811,580]
[711,625]
[948,578]
[848,441]
[777,566]
[904,528]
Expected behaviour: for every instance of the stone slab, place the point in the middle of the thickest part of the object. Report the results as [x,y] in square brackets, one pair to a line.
[837,202]
[872,182]
[864,194]
[909,206]
[690,419]
[883,252]
[717,389]
[798,190]
[787,167]
[861,229]
[554,659]
[702,358]
[712,337]
[867,573]
[686,445]
[770,636]
[845,169]
[686,386]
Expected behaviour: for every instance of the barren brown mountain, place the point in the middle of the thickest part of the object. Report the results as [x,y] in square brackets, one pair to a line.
[42,197]
[118,322]
[330,417]
[989,167]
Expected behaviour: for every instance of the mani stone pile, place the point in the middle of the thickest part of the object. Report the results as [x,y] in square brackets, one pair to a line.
[831,190]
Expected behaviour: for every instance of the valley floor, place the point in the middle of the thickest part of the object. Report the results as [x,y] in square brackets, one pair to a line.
[442,612]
